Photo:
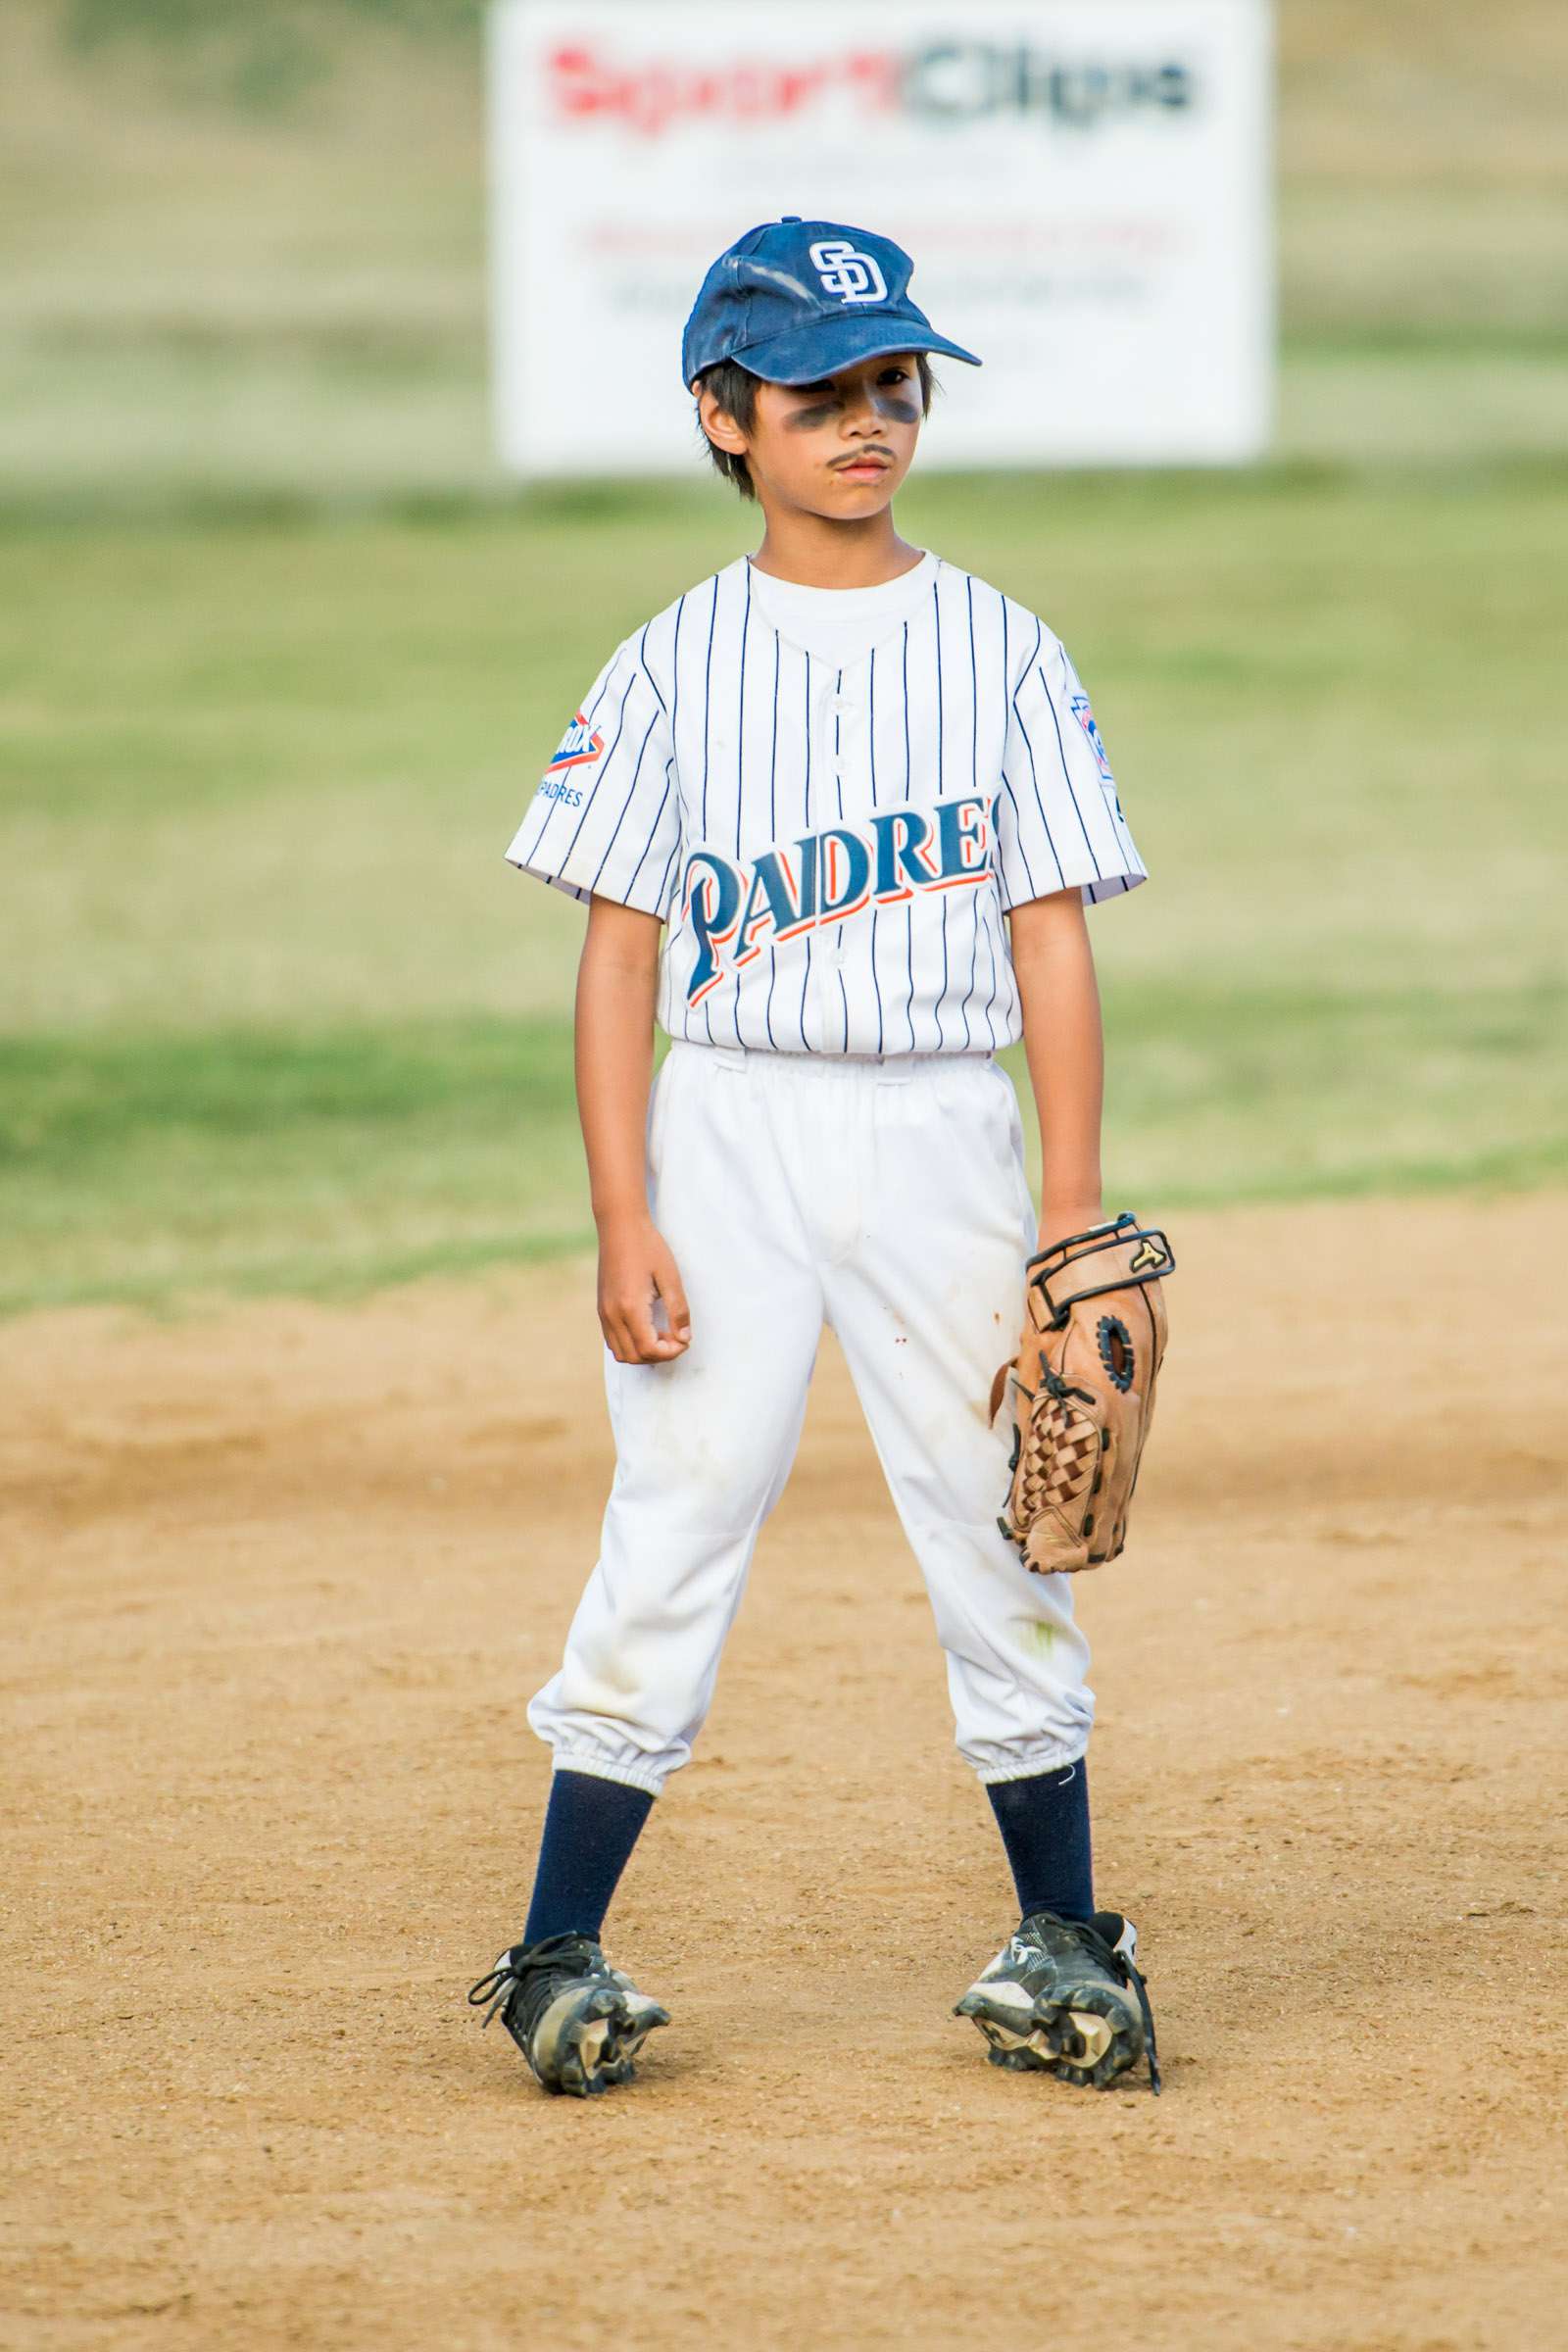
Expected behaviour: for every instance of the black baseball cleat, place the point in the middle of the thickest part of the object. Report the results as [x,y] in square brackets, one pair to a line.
[577,2021]
[1064,1998]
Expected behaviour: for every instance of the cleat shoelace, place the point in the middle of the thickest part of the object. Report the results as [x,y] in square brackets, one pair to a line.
[513,1968]
[497,1988]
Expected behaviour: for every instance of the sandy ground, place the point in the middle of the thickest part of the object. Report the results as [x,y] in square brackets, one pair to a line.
[279,1583]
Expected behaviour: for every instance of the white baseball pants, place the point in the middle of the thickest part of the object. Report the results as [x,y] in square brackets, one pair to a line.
[886,1196]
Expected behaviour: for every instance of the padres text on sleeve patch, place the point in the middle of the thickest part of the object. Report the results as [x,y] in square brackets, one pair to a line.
[581,746]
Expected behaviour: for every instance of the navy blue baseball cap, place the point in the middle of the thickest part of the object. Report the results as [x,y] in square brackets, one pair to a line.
[796,300]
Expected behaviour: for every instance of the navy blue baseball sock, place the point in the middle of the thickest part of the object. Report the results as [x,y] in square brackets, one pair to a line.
[1044,1822]
[591,1825]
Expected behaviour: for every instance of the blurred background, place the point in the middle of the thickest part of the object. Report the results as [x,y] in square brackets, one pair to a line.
[281,654]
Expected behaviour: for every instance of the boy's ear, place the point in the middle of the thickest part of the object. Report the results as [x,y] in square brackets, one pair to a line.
[719,426]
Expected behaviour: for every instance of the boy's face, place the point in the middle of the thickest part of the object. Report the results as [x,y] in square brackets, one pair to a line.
[838,448]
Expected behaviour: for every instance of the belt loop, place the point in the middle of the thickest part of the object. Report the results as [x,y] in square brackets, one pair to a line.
[893,1070]
[729,1057]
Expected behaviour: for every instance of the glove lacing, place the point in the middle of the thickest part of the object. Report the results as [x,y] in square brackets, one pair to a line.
[1032,1489]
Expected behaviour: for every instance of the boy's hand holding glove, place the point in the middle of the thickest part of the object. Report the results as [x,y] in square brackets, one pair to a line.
[1081,1391]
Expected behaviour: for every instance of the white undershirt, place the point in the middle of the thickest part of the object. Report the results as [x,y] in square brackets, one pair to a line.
[841,625]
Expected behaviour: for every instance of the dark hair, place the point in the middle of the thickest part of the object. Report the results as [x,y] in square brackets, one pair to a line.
[734,387]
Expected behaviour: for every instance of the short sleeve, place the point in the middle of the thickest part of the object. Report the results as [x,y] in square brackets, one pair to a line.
[606,817]
[1058,816]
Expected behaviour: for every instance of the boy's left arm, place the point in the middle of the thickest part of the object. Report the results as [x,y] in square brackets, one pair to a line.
[1063,1039]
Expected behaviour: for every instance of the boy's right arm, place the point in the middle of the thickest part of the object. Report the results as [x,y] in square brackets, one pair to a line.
[617,982]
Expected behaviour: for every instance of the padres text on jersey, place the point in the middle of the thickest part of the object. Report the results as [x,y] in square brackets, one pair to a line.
[833,849]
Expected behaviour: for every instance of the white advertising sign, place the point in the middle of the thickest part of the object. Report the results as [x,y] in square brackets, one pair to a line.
[1084,186]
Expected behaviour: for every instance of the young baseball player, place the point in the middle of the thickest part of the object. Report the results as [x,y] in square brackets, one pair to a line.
[835,817]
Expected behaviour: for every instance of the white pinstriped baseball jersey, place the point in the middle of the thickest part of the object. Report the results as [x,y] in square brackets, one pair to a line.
[833,847]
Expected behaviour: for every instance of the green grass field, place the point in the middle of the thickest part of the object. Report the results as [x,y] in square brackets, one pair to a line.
[279,662]
[277,1013]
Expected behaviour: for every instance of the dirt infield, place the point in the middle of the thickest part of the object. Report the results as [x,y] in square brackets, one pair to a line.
[278,1585]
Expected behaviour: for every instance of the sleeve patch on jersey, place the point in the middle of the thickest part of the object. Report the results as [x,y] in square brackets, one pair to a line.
[1086,719]
[581,746]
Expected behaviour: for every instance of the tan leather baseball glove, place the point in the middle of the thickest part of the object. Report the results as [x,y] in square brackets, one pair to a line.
[1082,1392]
